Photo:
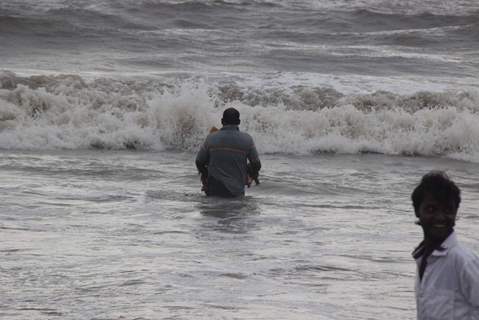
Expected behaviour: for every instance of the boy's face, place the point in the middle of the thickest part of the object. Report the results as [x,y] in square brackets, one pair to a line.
[437,217]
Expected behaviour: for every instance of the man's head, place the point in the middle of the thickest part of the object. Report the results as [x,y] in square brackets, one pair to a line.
[231,116]
[436,200]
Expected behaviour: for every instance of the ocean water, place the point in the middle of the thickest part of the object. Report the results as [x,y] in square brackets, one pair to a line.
[103,105]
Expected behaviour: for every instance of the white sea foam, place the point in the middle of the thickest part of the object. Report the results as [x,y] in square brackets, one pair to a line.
[50,112]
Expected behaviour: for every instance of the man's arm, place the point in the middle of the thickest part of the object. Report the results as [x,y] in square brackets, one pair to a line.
[254,163]
[202,159]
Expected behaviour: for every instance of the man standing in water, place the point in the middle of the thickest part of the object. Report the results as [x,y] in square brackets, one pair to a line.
[223,158]
[447,283]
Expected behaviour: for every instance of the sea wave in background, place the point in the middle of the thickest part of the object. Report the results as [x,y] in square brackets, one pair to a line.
[373,37]
[392,77]
[69,112]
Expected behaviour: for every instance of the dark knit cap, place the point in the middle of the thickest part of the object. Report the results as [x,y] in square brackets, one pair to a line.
[231,116]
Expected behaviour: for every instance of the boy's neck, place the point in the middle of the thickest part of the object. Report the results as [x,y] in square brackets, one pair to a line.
[431,244]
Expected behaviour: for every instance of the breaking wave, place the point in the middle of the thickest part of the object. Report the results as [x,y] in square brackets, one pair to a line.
[70,112]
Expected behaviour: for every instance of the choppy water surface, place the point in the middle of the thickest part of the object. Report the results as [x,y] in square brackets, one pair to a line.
[389,77]
[374,37]
[103,104]
[124,235]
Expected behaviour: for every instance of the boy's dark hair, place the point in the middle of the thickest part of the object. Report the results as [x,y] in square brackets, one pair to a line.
[438,184]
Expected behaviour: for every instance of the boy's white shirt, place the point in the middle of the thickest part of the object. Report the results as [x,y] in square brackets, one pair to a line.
[449,289]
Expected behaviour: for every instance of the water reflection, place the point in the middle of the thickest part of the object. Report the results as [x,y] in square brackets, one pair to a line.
[229,215]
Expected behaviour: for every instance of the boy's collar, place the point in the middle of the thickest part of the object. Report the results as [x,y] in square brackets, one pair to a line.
[450,242]
[418,251]
[447,244]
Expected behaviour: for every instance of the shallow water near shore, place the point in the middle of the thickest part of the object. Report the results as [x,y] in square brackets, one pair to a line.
[128,235]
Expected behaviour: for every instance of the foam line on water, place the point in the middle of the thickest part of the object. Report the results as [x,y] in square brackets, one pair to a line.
[69,112]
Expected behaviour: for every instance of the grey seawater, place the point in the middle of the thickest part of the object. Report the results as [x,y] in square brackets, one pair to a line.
[128,235]
[383,38]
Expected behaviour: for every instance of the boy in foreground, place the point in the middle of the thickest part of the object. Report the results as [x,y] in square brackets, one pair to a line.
[447,282]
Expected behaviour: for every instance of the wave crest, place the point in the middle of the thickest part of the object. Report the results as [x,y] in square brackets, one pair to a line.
[67,111]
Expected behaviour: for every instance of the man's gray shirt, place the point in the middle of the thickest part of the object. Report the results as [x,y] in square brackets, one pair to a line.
[225,154]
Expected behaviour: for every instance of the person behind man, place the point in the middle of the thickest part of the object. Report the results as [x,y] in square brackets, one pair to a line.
[223,158]
[447,282]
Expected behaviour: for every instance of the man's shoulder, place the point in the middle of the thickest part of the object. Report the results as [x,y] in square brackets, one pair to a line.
[246,135]
[213,135]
